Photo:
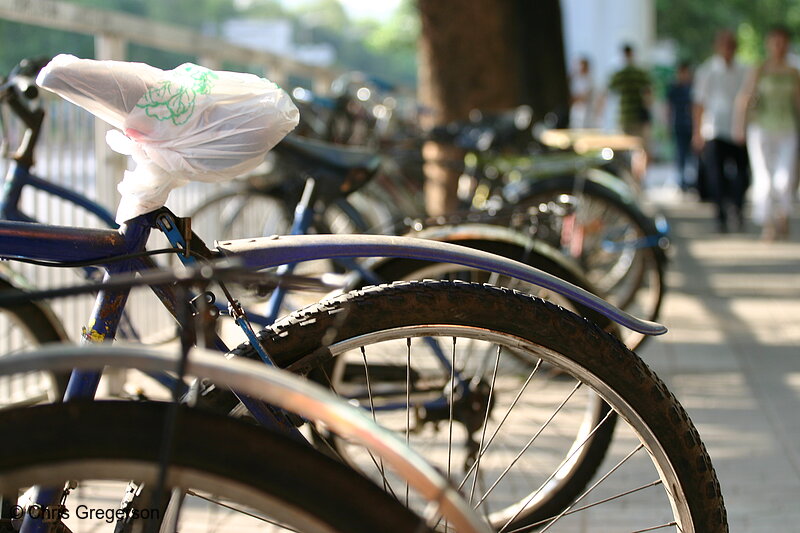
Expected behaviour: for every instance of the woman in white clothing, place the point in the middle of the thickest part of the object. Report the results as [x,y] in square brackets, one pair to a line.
[582,110]
[768,107]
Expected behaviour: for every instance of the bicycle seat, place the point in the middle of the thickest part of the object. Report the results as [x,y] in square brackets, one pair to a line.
[349,159]
[337,170]
[186,124]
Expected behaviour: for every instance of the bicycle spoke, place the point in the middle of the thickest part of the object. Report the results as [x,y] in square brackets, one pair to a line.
[450,421]
[640,488]
[654,528]
[240,511]
[563,462]
[485,422]
[338,454]
[568,510]
[372,409]
[452,406]
[502,421]
[408,399]
[529,443]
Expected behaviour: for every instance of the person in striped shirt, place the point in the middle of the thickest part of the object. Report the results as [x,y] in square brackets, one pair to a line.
[633,86]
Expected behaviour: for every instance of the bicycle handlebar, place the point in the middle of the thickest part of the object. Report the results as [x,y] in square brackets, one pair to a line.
[20,79]
[18,90]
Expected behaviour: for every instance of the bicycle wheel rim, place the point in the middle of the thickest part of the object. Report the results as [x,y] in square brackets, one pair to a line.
[23,327]
[510,513]
[579,466]
[285,485]
[628,488]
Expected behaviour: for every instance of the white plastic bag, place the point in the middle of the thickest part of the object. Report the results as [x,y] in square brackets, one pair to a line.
[190,123]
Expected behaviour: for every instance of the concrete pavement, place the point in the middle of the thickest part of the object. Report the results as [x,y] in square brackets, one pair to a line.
[732,357]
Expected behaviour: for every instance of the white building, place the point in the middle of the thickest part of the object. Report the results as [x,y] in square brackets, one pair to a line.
[277,36]
[597,29]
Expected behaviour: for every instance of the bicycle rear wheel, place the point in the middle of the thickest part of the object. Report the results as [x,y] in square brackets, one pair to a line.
[529,362]
[579,467]
[24,326]
[235,475]
[236,214]
[614,243]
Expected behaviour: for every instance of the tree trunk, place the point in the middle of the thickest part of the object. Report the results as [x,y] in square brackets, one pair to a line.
[486,55]
[466,62]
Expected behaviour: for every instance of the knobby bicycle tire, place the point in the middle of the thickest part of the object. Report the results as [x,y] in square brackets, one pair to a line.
[584,465]
[221,455]
[308,339]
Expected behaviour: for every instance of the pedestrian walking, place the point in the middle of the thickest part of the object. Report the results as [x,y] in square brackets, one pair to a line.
[679,99]
[633,86]
[582,99]
[767,112]
[717,84]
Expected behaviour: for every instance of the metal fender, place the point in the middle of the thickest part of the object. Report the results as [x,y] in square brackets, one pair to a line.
[264,252]
[471,232]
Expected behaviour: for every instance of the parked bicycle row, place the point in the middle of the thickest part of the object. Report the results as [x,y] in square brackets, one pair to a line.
[514,400]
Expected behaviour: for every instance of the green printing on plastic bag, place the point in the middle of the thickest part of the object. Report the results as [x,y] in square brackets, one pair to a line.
[174,101]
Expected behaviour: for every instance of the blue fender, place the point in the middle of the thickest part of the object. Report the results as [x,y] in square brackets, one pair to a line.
[264,252]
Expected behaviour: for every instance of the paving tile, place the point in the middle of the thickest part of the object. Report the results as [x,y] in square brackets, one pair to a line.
[732,357]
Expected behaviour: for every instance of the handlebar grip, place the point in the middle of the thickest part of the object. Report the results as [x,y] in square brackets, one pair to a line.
[31,92]
[31,66]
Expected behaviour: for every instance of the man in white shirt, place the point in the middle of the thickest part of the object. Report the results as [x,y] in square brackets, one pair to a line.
[717,84]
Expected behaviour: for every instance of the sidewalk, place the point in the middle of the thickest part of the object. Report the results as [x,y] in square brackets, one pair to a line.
[732,357]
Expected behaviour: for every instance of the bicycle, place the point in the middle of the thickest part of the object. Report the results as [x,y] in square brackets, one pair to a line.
[560,332]
[290,484]
[333,166]
[498,240]
[589,214]
[356,331]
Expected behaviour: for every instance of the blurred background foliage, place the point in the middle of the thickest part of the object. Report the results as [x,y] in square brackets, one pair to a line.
[692,24]
[386,49]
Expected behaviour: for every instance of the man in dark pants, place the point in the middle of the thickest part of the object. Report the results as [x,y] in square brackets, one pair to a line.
[679,98]
[728,172]
[717,84]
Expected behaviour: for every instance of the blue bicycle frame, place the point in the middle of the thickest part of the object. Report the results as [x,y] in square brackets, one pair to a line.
[20,177]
